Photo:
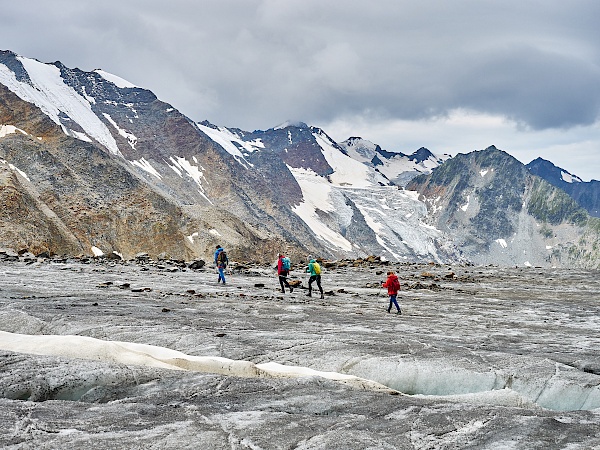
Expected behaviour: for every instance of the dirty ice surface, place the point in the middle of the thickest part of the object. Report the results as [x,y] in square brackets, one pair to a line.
[125,354]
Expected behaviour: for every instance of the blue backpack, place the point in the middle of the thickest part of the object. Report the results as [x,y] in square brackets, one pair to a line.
[286,264]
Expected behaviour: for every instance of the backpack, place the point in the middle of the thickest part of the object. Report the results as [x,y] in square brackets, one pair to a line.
[286,264]
[222,258]
[316,268]
[395,284]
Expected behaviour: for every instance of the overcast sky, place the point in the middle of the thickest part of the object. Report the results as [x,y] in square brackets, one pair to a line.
[452,76]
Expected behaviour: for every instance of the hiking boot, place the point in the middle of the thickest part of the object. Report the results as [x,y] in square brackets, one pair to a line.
[399,312]
[322,296]
[291,289]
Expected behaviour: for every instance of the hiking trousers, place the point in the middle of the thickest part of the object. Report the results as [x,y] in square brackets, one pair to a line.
[283,280]
[393,302]
[311,280]
[221,274]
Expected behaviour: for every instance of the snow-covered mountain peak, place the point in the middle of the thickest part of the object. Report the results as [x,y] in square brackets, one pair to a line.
[290,123]
[44,87]
[346,170]
[360,149]
[395,166]
[114,79]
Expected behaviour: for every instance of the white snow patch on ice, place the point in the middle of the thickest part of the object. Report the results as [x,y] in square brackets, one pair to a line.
[96,251]
[152,356]
[502,243]
[465,207]
[347,171]
[483,173]
[214,232]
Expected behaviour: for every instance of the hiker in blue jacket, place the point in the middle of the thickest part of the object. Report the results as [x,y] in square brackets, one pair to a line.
[221,262]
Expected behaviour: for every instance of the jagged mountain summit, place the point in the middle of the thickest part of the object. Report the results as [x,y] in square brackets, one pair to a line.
[587,194]
[497,212]
[90,163]
[397,167]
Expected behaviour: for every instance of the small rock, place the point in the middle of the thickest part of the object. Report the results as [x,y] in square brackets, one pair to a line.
[198,264]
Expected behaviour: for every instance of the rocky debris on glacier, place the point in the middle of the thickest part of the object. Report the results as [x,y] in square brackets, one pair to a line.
[482,357]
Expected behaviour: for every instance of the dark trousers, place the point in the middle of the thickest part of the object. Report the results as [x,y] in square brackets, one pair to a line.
[283,280]
[312,279]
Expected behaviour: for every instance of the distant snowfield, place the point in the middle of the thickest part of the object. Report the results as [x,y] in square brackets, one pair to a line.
[396,217]
[318,196]
[232,143]
[117,81]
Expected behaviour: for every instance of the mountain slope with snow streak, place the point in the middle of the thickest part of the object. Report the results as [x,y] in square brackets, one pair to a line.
[170,183]
[46,89]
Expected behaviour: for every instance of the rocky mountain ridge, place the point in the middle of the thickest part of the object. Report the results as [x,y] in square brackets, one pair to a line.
[88,160]
[585,193]
[498,212]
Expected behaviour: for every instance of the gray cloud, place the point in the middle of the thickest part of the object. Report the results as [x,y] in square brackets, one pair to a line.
[255,63]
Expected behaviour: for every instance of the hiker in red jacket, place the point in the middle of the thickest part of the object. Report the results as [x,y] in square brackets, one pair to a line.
[283,270]
[393,286]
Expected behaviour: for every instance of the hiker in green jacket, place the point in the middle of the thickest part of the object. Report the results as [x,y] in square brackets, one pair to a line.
[315,275]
